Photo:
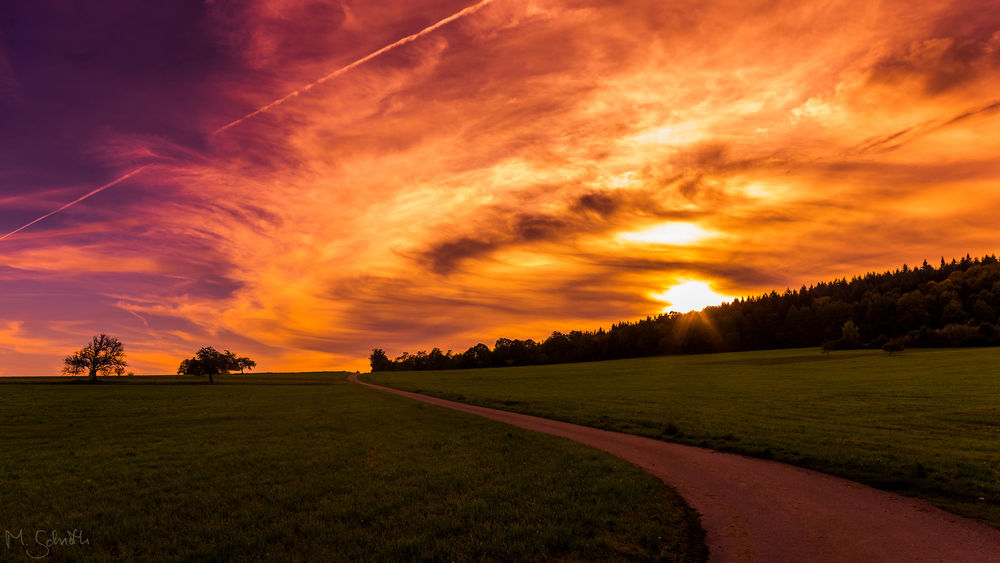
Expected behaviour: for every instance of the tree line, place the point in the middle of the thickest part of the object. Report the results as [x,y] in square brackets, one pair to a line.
[954,304]
[105,355]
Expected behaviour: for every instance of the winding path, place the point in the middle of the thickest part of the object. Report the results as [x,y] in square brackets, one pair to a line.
[759,510]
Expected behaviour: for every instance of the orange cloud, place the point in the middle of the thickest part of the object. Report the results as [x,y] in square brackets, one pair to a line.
[475,182]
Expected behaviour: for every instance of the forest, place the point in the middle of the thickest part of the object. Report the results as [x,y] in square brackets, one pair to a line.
[952,305]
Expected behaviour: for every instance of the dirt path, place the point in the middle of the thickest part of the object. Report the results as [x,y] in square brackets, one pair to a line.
[758,510]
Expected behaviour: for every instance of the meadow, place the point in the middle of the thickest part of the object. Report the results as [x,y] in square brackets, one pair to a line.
[306,467]
[924,423]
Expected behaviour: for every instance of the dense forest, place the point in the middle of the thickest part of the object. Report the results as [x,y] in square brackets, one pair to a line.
[954,304]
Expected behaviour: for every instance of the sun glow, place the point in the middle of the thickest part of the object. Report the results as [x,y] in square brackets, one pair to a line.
[689,296]
[667,233]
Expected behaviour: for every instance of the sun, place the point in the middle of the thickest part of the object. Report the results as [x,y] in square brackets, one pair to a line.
[692,295]
[672,233]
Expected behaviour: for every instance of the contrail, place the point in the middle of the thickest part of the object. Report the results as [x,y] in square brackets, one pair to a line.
[409,38]
[78,200]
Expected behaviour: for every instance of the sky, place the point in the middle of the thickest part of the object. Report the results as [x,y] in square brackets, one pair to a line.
[302,181]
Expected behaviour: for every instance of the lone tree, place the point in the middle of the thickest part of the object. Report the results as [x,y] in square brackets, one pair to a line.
[209,361]
[105,355]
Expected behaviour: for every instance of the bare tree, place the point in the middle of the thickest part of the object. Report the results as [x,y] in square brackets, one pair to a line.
[105,355]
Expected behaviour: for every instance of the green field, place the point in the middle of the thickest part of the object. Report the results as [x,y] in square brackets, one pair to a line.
[924,423]
[306,467]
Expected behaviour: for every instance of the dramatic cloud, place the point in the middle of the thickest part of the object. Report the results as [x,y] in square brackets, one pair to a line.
[500,168]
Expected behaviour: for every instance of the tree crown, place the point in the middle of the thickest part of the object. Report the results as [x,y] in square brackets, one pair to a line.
[105,355]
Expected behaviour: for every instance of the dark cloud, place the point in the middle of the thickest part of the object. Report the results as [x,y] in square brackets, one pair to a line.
[939,72]
[977,20]
[444,257]
[601,203]
[531,228]
[741,273]
[961,47]
[591,213]
[717,157]
[689,186]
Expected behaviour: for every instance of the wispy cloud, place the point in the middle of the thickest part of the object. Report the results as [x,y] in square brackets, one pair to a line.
[476,182]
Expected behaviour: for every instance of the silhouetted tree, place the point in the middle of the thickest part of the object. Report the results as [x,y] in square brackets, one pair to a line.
[558,348]
[245,363]
[437,359]
[232,362]
[209,361]
[479,356]
[379,361]
[105,355]
[189,366]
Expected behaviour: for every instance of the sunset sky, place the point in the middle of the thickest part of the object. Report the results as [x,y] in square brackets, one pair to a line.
[523,167]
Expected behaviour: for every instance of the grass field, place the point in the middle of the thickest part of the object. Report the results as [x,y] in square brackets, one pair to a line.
[924,423]
[306,467]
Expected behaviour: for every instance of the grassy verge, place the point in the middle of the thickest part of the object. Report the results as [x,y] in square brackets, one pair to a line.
[924,423]
[311,470]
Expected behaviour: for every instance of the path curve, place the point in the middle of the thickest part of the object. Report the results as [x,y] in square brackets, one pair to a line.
[759,510]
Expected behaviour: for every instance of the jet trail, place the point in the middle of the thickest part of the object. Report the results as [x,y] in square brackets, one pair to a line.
[77,200]
[409,38]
